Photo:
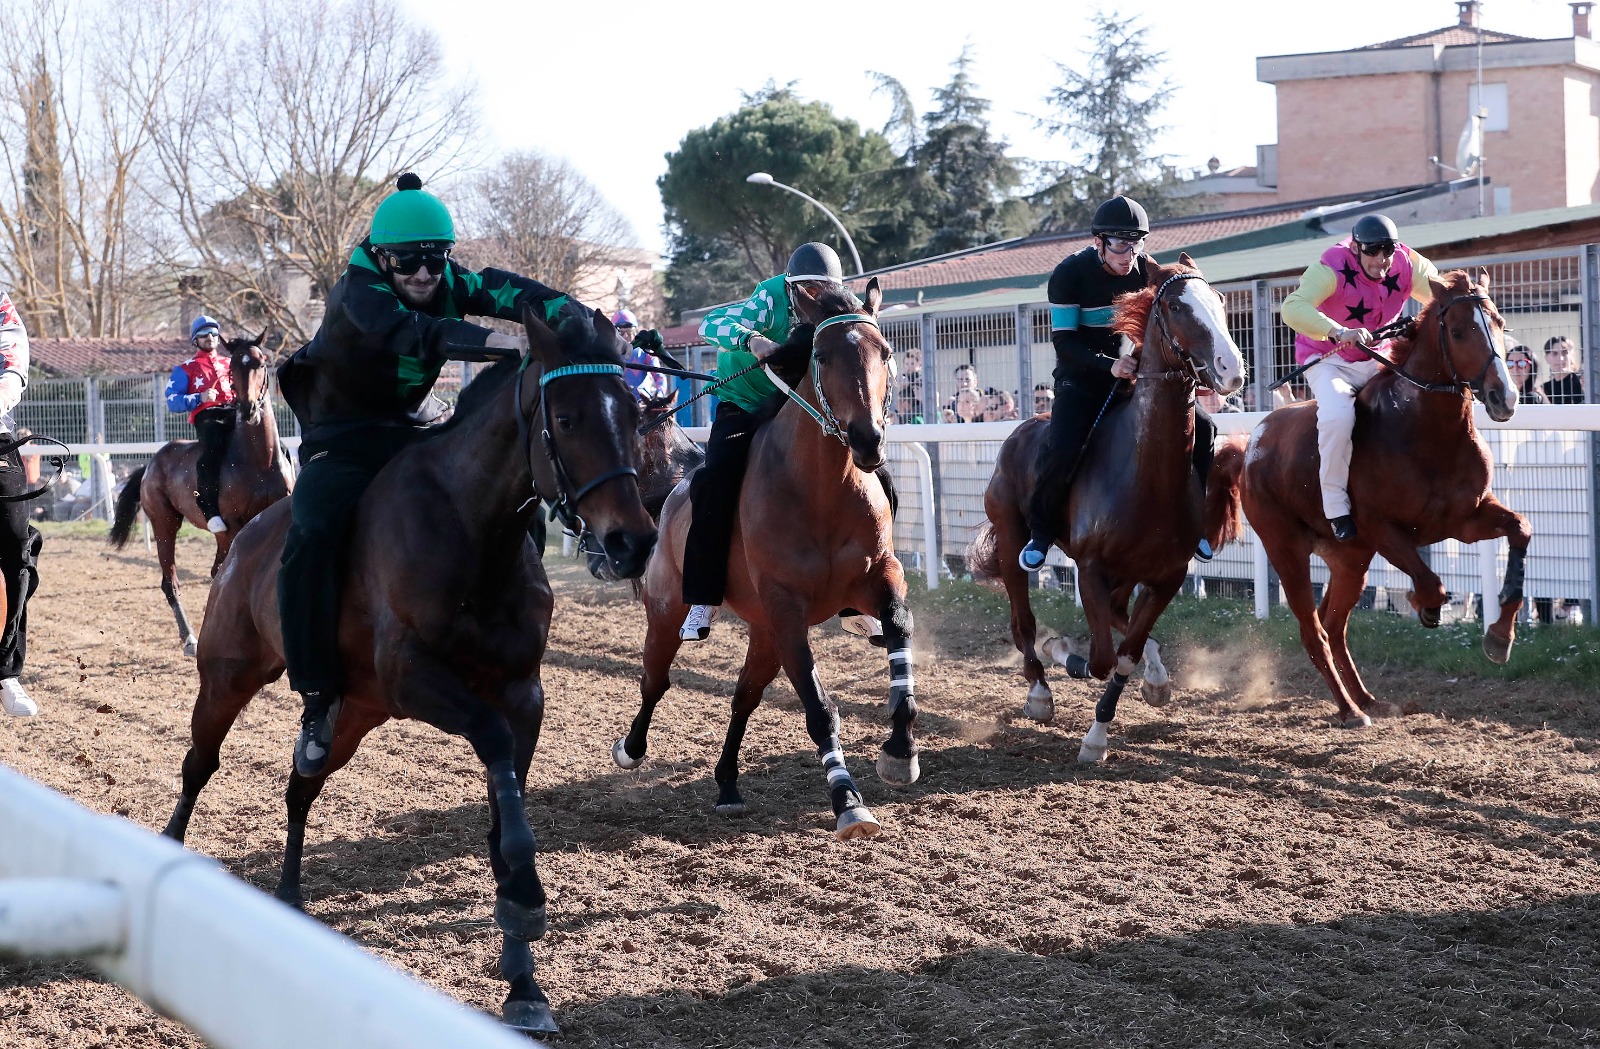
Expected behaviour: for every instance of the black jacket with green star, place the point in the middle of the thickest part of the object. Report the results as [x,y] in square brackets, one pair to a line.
[374,360]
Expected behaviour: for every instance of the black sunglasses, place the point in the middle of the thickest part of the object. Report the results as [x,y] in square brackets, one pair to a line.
[406,263]
[1382,247]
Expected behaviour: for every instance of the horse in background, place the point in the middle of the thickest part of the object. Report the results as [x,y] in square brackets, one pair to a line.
[1419,474]
[813,536]
[255,474]
[445,607]
[1134,513]
[666,456]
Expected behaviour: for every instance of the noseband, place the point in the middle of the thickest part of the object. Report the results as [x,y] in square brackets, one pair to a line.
[565,503]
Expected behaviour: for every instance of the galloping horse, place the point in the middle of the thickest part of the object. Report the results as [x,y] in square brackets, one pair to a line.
[813,537]
[446,606]
[1133,515]
[1419,474]
[254,475]
[666,456]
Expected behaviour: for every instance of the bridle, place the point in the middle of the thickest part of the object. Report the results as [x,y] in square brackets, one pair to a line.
[1456,385]
[565,504]
[256,404]
[824,418]
[1181,364]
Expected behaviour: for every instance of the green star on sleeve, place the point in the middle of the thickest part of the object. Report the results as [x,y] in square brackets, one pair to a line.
[505,296]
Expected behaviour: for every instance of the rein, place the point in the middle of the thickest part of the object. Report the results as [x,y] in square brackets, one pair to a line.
[565,505]
[57,461]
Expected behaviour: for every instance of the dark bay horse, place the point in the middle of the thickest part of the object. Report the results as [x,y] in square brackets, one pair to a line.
[813,537]
[1133,515]
[446,607]
[666,456]
[254,475]
[1419,474]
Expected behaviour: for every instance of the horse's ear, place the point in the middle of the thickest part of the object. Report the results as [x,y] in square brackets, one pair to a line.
[257,340]
[1483,279]
[1183,257]
[608,333]
[874,297]
[1441,290]
[542,339]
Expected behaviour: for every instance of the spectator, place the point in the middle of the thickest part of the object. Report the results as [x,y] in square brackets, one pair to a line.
[908,388]
[966,381]
[968,406]
[1044,398]
[1565,386]
[998,406]
[1525,373]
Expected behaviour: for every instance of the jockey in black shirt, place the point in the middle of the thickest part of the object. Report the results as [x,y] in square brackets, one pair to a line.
[1089,364]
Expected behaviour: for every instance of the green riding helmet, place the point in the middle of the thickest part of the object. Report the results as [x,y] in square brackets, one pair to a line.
[412,217]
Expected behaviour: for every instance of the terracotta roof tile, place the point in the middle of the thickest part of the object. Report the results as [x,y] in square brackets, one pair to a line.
[107,356]
[1450,36]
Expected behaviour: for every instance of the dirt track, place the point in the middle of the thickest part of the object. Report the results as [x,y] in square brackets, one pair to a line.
[1239,873]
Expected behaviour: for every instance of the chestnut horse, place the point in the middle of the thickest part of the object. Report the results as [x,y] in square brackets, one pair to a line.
[1133,515]
[813,537]
[666,456]
[446,607]
[1419,474]
[254,475]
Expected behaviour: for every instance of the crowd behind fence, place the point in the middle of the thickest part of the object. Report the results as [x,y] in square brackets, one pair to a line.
[955,360]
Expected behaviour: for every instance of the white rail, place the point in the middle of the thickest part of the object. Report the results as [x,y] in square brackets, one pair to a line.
[235,966]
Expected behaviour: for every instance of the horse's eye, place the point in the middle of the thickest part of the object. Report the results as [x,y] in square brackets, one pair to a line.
[564,423]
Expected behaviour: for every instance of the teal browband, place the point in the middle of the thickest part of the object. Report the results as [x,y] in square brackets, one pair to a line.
[579,369]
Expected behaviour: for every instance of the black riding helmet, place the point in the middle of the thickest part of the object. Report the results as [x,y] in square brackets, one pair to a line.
[1121,215]
[1374,229]
[814,261]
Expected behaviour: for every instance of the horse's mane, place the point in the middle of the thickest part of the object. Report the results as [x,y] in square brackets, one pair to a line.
[1132,308]
[1456,282]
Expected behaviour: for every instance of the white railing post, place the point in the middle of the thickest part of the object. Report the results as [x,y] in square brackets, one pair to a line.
[930,513]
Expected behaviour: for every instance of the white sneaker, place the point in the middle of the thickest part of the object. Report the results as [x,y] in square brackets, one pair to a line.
[697,624]
[218,525]
[16,702]
[865,626]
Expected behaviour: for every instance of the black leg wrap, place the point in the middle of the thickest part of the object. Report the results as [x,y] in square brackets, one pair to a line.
[1105,711]
[517,845]
[516,958]
[1516,567]
[1078,667]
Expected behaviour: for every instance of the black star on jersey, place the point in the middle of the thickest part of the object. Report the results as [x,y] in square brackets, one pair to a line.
[1392,282]
[1349,273]
[1358,312]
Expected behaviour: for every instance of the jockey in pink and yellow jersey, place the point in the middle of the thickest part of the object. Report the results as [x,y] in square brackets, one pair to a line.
[1358,286]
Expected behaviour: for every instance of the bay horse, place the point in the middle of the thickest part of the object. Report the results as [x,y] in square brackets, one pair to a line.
[666,456]
[445,609]
[1133,515]
[813,537]
[254,475]
[1419,474]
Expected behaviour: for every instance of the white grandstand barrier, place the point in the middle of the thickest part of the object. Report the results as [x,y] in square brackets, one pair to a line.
[235,966]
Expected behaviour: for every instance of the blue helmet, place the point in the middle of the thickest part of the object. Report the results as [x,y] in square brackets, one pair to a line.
[204,325]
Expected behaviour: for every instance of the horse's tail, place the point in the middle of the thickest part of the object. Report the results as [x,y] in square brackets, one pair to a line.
[983,556]
[127,509]
[1223,512]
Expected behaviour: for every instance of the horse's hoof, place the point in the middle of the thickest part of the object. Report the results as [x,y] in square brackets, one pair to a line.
[517,921]
[291,898]
[1356,721]
[1158,695]
[191,648]
[1497,648]
[1091,753]
[1428,617]
[898,772]
[857,822]
[730,808]
[529,1015]
[1059,648]
[619,754]
[1040,705]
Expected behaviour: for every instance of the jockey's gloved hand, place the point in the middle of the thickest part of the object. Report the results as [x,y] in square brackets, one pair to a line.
[790,359]
[648,340]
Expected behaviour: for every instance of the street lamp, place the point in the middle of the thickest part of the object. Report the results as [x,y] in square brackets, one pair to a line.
[761,178]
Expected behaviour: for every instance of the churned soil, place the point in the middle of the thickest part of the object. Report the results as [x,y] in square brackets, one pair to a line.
[1239,872]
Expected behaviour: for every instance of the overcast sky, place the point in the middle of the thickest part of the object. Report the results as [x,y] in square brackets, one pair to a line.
[613,87]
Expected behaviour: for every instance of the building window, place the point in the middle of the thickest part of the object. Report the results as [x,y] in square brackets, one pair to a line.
[1494,100]
[1502,200]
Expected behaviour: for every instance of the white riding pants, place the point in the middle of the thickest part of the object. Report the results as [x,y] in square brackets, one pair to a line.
[1334,382]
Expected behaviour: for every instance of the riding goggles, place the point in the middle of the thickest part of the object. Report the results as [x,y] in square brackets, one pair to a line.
[1121,244]
[406,263]
[1378,247]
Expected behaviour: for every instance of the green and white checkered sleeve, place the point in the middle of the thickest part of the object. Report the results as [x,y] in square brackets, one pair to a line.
[728,327]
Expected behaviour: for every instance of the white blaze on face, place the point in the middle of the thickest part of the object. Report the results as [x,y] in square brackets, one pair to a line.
[1227,364]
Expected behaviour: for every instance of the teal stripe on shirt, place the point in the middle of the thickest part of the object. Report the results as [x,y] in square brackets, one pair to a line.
[1099,317]
[1063,318]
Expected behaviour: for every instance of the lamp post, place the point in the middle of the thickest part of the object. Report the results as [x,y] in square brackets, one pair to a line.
[761,178]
